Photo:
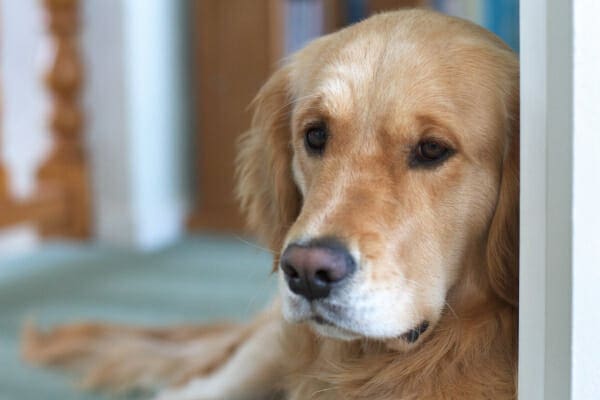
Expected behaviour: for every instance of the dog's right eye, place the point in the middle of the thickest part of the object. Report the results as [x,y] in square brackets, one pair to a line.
[315,139]
[429,153]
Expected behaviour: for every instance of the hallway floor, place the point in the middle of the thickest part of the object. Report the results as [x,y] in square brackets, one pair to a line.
[200,279]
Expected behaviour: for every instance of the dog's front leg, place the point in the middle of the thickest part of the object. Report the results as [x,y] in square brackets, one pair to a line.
[254,371]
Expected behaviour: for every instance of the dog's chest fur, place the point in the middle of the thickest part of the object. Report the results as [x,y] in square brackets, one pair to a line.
[455,366]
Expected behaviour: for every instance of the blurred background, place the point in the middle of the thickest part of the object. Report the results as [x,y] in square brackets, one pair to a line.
[118,128]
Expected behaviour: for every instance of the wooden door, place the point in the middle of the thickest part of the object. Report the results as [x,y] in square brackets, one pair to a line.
[237,44]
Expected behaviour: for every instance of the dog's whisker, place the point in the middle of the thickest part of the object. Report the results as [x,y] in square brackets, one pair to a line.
[256,246]
[322,391]
[451,310]
[295,101]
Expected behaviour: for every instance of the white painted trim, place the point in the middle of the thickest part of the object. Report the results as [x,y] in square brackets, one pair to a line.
[546,199]
[136,104]
[586,201]
[107,135]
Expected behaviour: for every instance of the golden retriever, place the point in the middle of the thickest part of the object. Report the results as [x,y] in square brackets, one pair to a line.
[382,165]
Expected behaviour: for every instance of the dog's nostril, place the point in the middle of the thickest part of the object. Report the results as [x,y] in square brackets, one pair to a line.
[324,276]
[332,274]
[289,270]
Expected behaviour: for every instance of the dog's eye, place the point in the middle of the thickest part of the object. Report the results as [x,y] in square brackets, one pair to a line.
[315,139]
[429,153]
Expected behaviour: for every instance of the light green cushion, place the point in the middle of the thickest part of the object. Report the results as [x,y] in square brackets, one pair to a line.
[200,279]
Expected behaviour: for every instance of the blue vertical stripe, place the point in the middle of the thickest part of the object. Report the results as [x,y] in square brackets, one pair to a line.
[499,16]
[357,10]
[502,18]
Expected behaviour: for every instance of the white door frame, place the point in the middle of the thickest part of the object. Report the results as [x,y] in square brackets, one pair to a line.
[559,357]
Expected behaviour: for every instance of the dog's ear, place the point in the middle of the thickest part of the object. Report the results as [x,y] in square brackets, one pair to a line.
[268,195]
[503,237]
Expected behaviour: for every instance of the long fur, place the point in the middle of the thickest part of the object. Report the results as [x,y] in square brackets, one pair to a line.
[121,358]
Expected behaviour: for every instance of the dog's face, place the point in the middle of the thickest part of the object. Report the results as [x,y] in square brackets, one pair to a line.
[395,139]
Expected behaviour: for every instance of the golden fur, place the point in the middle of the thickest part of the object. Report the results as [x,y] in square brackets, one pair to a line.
[436,244]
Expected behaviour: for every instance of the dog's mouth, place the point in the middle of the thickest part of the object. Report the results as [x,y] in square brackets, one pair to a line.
[336,319]
[321,321]
[414,334]
[327,326]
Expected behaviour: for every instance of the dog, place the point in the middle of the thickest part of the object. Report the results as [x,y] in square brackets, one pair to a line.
[382,166]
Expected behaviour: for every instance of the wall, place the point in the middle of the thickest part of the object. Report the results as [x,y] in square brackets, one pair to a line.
[25,106]
[25,139]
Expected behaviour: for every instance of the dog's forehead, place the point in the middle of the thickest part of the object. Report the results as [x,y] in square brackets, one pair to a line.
[387,77]
[351,74]
[369,76]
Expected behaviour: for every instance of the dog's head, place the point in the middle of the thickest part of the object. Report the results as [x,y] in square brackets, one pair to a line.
[382,165]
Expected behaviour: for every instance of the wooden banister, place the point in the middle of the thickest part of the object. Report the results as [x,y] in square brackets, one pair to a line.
[3,173]
[4,195]
[61,204]
[3,182]
[65,170]
[45,207]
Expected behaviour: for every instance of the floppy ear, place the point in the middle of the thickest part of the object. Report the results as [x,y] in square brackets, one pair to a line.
[268,195]
[503,237]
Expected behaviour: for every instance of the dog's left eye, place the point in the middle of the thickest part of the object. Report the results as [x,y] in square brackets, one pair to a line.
[315,139]
[429,153]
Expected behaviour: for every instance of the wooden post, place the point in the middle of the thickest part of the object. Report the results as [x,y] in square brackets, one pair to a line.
[3,178]
[3,172]
[3,183]
[65,169]
[237,44]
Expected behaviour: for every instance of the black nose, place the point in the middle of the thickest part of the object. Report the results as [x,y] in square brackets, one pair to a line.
[313,270]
